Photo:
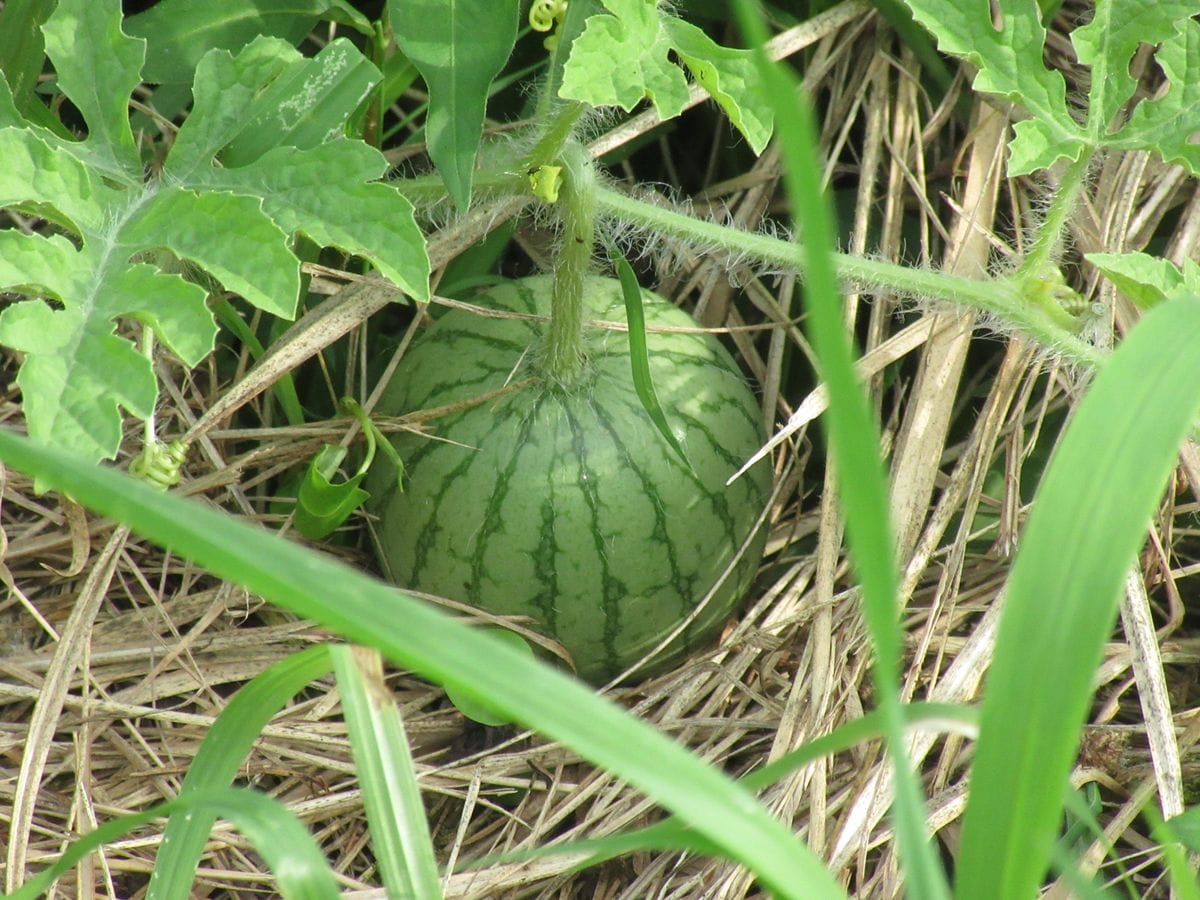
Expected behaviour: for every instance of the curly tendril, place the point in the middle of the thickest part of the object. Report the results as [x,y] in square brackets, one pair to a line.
[544,15]
[159,463]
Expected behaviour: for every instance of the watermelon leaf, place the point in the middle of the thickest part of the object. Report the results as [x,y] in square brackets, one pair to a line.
[458,47]
[126,236]
[1145,279]
[639,39]
[1009,60]
[178,32]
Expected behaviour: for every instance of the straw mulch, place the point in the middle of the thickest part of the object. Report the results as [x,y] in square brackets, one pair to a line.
[116,656]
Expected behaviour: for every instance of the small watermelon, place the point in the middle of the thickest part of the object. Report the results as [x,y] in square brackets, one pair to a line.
[566,504]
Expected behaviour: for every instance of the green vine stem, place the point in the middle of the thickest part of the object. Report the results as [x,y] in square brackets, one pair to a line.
[1047,243]
[1004,299]
[563,357]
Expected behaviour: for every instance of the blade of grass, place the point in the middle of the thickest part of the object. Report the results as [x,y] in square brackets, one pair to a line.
[288,848]
[396,820]
[416,635]
[1060,602]
[854,443]
[671,834]
[217,762]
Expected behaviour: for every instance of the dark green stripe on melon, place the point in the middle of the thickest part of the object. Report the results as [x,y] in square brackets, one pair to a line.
[566,504]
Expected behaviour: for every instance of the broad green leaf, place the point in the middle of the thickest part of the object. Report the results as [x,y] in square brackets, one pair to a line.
[1145,279]
[1009,59]
[421,637]
[458,46]
[286,846]
[225,234]
[1107,43]
[78,374]
[729,77]
[352,211]
[308,106]
[400,837]
[98,67]
[179,32]
[221,755]
[1169,124]
[1061,598]
[621,59]
[23,54]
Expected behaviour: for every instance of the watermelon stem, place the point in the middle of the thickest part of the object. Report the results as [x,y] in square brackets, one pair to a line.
[563,357]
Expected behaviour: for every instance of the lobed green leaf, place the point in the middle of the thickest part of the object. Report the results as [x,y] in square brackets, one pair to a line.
[1147,280]
[1169,123]
[729,77]
[98,67]
[268,103]
[179,32]
[1107,43]
[352,212]
[1009,59]
[634,35]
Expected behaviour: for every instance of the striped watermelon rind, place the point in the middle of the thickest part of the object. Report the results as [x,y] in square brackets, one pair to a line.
[566,504]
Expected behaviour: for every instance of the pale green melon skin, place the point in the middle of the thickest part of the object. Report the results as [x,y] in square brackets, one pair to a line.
[568,505]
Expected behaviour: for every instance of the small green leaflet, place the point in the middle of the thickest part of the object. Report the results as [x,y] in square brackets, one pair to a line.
[322,505]
[458,46]
[478,710]
[623,58]
[1147,280]
[1009,59]
[126,238]
[639,355]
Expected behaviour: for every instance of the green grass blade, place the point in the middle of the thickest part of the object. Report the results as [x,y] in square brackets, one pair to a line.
[854,446]
[671,834]
[217,762]
[279,837]
[395,812]
[1061,600]
[426,640]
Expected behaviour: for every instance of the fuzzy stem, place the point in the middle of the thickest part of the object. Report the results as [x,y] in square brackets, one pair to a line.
[423,190]
[563,360]
[1002,297]
[1050,233]
[555,137]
